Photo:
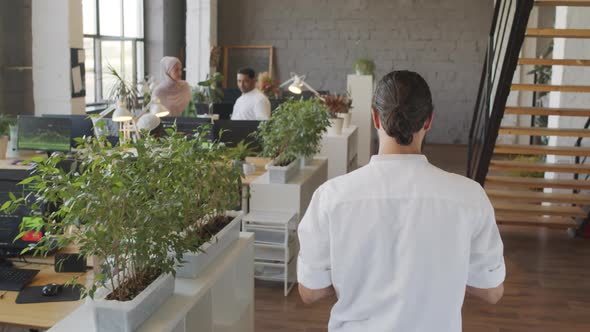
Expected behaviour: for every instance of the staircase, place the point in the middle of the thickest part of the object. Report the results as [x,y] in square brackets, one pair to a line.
[519,199]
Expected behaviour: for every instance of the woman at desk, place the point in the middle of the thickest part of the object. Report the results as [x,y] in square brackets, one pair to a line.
[173,92]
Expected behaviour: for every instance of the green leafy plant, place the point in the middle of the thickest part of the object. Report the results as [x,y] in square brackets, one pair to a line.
[364,66]
[294,130]
[209,91]
[530,174]
[130,210]
[242,150]
[123,90]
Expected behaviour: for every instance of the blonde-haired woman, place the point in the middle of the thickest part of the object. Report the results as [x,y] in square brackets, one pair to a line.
[172,91]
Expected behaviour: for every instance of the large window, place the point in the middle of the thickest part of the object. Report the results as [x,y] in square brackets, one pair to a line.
[113,36]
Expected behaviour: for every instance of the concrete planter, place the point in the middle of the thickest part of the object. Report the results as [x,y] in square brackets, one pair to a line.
[3,147]
[196,262]
[345,119]
[116,316]
[282,174]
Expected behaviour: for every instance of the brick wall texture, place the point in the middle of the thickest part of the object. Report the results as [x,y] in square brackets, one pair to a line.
[444,40]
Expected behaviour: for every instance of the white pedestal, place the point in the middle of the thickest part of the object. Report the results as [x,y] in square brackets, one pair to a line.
[222,299]
[341,151]
[361,92]
[293,196]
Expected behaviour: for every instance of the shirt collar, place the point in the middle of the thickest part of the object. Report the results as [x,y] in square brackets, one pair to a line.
[398,157]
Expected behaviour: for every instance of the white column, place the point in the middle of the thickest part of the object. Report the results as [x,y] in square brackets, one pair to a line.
[201,36]
[361,92]
[57,27]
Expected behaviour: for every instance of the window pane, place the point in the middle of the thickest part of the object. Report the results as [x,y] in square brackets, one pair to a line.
[110,17]
[140,65]
[128,61]
[111,57]
[133,18]
[89,67]
[89,17]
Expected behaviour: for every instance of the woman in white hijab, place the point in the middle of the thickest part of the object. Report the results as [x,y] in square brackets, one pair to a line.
[173,92]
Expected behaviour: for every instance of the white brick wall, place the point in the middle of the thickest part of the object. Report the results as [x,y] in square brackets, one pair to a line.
[443,40]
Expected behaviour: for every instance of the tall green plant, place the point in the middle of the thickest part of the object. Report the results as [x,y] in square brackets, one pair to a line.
[122,90]
[5,122]
[132,210]
[295,129]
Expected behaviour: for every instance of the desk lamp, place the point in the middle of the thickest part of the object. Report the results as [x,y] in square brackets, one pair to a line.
[296,83]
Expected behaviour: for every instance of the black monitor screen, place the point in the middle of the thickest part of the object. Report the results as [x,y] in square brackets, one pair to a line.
[233,132]
[188,126]
[81,126]
[44,133]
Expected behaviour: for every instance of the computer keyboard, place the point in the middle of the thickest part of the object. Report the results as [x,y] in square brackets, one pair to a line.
[12,279]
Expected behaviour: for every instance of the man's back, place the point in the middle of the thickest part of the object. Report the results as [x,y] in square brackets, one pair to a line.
[399,239]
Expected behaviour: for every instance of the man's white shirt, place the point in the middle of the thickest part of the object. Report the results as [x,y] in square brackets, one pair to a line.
[252,105]
[399,239]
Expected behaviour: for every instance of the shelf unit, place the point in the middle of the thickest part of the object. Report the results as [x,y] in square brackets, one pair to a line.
[275,246]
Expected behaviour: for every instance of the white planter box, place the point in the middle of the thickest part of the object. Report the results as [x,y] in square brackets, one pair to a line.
[306,161]
[345,119]
[335,127]
[282,174]
[116,316]
[196,262]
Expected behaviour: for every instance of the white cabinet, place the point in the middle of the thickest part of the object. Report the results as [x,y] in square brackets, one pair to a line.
[341,151]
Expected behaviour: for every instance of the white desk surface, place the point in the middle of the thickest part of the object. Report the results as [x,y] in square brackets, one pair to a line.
[187,293]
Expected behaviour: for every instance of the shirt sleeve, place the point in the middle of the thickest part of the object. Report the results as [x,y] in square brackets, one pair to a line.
[262,109]
[486,262]
[313,263]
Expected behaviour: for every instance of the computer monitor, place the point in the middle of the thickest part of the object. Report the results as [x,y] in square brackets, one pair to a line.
[188,126]
[44,133]
[223,109]
[236,131]
[81,126]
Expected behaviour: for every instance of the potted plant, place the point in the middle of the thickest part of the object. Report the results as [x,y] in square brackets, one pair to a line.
[208,92]
[7,124]
[337,105]
[268,86]
[291,132]
[108,206]
[206,190]
[363,66]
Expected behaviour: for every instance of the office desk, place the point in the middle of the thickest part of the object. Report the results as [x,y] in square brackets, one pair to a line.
[39,315]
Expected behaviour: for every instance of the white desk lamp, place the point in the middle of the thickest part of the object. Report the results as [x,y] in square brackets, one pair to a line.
[157,109]
[296,83]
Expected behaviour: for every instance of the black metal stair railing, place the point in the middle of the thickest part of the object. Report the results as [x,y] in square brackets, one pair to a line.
[504,42]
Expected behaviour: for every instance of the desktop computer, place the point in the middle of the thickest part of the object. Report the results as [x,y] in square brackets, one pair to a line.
[233,132]
[44,133]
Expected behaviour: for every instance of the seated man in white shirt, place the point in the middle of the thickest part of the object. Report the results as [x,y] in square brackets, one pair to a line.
[252,104]
[400,241]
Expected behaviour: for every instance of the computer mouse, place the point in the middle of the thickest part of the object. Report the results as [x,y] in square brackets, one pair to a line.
[51,290]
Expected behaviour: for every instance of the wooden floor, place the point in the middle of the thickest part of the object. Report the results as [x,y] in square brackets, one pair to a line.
[547,287]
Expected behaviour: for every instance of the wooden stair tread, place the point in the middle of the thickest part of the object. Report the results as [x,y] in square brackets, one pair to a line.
[559,33]
[553,62]
[528,196]
[549,88]
[585,112]
[525,182]
[537,131]
[571,3]
[541,150]
[552,222]
[510,165]
[503,208]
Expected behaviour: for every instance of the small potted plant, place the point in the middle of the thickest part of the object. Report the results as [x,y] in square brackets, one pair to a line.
[268,86]
[337,105]
[208,92]
[363,66]
[7,124]
[293,131]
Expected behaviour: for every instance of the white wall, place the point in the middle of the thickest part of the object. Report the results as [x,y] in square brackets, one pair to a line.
[57,27]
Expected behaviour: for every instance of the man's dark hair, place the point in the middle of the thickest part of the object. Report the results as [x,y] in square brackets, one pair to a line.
[247,71]
[403,101]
